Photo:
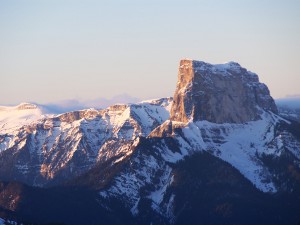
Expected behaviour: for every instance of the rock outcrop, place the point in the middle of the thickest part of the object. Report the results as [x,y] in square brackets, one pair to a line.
[221,93]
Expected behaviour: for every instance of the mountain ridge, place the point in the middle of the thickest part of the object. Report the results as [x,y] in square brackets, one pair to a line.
[154,160]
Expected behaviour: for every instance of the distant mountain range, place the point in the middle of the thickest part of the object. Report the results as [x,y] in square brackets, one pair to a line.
[219,152]
[289,107]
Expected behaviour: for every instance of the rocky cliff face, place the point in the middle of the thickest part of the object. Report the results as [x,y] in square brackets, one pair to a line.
[222,93]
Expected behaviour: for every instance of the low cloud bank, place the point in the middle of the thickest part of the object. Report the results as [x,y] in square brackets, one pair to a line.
[99,103]
[292,102]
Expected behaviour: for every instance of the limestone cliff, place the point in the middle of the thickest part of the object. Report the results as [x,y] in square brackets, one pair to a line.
[221,93]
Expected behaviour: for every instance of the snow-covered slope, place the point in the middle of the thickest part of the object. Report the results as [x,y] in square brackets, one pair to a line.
[9,222]
[14,117]
[37,149]
[244,146]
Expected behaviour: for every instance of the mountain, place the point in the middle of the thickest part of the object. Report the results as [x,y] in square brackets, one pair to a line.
[253,147]
[224,93]
[50,149]
[14,117]
[216,153]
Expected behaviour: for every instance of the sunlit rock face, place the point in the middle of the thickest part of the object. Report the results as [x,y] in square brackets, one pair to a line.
[221,93]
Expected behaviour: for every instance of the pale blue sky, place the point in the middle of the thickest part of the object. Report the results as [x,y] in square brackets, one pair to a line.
[57,49]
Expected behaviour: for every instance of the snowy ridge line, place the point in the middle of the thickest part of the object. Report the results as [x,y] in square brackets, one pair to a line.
[71,143]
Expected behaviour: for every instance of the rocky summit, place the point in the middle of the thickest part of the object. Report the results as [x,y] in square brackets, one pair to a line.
[221,93]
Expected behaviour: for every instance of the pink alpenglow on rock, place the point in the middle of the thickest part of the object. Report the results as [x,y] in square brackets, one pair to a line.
[220,93]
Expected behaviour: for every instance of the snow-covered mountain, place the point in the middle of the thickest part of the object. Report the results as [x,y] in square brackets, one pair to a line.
[218,151]
[14,117]
[38,149]
[246,146]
